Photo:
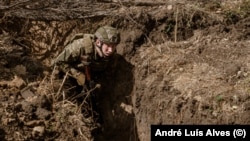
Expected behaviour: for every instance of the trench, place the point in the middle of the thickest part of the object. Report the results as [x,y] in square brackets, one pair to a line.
[40,41]
[115,105]
[42,38]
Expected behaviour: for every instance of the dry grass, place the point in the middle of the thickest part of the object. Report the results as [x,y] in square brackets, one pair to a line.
[67,111]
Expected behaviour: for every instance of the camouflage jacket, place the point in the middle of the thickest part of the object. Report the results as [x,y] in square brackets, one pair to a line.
[79,53]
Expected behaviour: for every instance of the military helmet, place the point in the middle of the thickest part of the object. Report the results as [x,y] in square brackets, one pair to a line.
[108,34]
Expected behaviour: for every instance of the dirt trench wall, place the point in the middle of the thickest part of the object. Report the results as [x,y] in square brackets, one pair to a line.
[202,79]
[175,84]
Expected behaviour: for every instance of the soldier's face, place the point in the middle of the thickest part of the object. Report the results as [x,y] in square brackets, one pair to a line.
[108,49]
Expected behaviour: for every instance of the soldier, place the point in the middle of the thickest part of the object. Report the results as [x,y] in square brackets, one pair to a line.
[86,53]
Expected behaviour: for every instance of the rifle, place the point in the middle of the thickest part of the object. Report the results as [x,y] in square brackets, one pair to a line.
[87,74]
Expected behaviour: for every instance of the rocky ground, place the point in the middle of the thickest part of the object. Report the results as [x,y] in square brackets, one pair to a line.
[180,62]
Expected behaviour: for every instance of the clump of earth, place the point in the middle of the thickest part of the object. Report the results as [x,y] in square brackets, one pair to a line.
[179,63]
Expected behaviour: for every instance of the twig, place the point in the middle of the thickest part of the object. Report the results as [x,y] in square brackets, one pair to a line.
[66,75]
[88,93]
[81,134]
[20,44]
[16,4]
[63,97]
[52,75]
[140,3]
[51,80]
[43,81]
[30,85]
[176,24]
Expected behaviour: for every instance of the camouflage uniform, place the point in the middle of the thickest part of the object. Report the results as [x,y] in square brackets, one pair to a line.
[80,55]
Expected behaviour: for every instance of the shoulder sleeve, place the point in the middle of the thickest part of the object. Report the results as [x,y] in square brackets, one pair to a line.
[71,53]
[88,43]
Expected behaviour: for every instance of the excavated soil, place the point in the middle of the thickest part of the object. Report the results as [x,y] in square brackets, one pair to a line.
[178,63]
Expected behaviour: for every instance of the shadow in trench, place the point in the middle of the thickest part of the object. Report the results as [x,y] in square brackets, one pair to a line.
[2,135]
[114,104]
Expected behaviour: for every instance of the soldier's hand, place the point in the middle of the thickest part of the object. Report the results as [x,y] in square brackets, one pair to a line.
[81,79]
[93,84]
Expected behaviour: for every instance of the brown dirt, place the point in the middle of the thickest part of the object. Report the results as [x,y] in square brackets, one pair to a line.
[197,73]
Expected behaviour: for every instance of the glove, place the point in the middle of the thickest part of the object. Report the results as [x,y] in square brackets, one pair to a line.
[80,78]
